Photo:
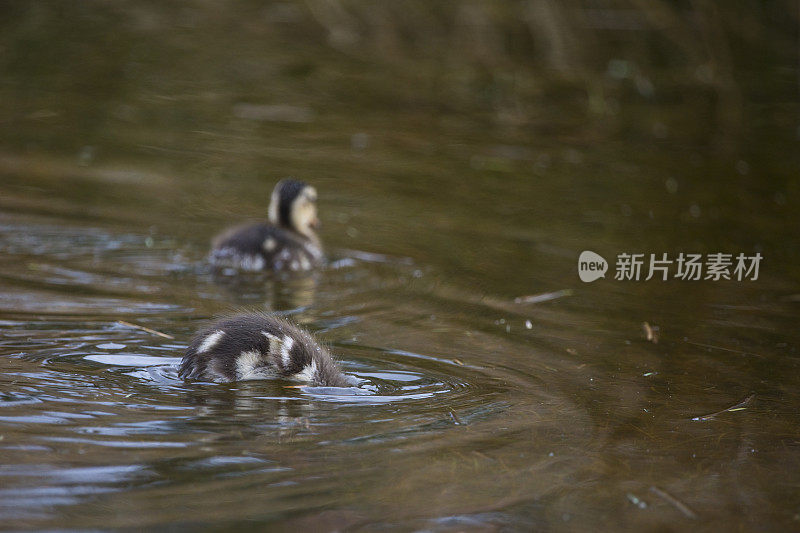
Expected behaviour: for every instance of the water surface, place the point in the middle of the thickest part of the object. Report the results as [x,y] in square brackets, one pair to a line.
[479,409]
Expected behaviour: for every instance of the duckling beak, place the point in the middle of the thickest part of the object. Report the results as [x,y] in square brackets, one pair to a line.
[315,223]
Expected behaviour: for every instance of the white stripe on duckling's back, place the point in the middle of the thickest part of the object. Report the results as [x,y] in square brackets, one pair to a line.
[210,341]
[282,347]
[286,346]
[247,364]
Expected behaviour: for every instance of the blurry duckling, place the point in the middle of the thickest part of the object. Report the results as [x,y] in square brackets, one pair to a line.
[260,346]
[288,241]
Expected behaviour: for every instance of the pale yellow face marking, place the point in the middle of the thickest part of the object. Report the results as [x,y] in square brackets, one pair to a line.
[304,212]
[303,215]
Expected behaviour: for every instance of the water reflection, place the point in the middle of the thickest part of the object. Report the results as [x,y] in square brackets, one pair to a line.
[270,292]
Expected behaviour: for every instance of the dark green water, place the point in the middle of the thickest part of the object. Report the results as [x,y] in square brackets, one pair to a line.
[453,180]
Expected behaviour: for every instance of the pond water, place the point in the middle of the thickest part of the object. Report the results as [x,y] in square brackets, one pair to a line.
[500,392]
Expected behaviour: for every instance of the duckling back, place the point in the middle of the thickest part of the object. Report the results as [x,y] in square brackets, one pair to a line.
[259,346]
[265,247]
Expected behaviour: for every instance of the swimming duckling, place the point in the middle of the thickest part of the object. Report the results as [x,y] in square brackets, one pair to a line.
[259,346]
[288,242]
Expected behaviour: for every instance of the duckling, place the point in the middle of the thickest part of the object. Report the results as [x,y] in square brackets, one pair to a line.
[260,346]
[288,242]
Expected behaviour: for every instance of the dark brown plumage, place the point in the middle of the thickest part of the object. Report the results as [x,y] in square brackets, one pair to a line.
[259,346]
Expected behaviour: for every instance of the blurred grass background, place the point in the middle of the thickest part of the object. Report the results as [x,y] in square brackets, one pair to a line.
[573,69]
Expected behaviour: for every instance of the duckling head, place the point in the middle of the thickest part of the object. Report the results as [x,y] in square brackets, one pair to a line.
[294,206]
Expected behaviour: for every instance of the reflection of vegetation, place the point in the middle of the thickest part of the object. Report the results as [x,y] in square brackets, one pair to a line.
[505,46]
[553,66]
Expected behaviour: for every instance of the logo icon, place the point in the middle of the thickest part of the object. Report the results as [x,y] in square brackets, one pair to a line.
[591,266]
